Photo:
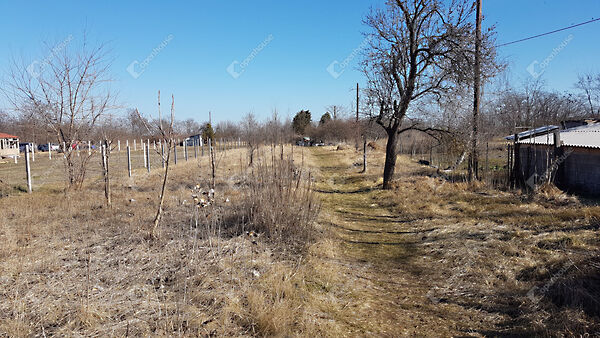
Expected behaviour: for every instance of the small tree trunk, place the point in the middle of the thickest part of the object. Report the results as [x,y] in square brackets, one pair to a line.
[105,156]
[390,159]
[212,162]
[163,189]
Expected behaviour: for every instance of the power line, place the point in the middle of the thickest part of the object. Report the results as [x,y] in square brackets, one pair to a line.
[548,33]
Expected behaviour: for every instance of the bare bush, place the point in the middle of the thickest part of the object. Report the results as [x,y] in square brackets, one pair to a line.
[273,201]
[68,96]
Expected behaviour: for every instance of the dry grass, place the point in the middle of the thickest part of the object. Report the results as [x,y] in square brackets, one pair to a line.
[467,256]
[70,266]
[429,258]
[50,173]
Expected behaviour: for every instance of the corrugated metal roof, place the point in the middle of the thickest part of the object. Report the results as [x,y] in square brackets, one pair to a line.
[533,132]
[3,135]
[584,136]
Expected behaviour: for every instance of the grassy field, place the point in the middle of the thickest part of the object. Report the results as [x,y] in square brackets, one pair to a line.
[46,172]
[428,258]
[436,258]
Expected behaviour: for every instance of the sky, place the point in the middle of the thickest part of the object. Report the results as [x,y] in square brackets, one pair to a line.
[235,57]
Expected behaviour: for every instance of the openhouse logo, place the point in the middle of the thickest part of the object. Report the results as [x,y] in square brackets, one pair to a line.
[237,68]
[36,68]
[536,68]
[136,68]
[337,68]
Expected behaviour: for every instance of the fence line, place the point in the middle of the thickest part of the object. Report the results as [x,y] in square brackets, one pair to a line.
[126,164]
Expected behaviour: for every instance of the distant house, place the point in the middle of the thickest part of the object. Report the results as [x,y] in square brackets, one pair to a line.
[570,156]
[193,140]
[9,145]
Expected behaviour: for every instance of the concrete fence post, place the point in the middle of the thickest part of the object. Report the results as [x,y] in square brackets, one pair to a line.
[185,152]
[28,168]
[144,154]
[129,161]
[175,151]
[148,156]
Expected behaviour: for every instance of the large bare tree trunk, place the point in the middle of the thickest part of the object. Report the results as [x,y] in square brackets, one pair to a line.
[390,159]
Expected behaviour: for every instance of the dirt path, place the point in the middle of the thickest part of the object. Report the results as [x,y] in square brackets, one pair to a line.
[378,254]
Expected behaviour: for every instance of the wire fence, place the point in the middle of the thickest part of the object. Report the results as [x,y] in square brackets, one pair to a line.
[127,157]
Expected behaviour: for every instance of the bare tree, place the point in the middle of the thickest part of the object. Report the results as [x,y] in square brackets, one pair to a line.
[69,94]
[530,106]
[166,136]
[106,170]
[250,129]
[418,49]
[336,111]
[589,85]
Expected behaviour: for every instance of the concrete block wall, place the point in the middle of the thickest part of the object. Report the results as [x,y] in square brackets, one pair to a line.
[579,172]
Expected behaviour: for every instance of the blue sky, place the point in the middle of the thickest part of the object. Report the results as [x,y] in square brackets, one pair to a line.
[293,42]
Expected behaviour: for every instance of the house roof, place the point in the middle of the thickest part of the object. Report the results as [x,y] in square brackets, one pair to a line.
[533,132]
[3,135]
[587,136]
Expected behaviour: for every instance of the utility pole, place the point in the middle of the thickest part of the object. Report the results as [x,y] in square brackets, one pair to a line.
[356,102]
[474,163]
[357,129]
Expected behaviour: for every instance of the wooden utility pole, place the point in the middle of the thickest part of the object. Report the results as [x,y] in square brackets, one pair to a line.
[356,102]
[474,162]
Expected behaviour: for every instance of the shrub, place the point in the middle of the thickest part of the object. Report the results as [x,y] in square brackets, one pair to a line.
[278,203]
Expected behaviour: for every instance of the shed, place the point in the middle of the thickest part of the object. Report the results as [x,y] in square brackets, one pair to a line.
[572,160]
[9,145]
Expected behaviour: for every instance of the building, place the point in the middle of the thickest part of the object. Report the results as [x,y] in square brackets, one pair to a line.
[193,140]
[569,157]
[9,145]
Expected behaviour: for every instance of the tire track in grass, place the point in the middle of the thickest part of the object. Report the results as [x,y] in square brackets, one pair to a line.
[375,252]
